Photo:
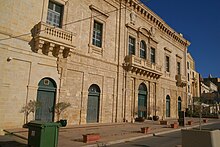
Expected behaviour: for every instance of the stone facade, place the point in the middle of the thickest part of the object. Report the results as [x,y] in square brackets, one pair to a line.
[193,86]
[32,50]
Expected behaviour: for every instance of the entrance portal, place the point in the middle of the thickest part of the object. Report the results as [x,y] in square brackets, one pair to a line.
[46,94]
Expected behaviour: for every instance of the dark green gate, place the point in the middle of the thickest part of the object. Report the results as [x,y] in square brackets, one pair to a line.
[93,104]
[46,94]
[167,106]
[142,100]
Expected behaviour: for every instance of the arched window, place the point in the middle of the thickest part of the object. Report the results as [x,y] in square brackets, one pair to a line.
[143,49]
[167,106]
[94,89]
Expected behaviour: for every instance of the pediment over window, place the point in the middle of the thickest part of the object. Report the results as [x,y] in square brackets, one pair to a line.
[144,31]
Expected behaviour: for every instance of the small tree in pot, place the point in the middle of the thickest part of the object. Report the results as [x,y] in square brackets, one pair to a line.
[30,107]
[59,108]
[155,116]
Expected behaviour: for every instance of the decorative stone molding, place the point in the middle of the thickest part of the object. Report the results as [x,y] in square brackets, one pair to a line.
[145,12]
[52,40]
[168,50]
[142,67]
[94,8]
[178,56]
[181,81]
[132,17]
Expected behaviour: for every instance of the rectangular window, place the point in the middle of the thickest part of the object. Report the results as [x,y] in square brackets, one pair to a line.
[178,68]
[187,65]
[131,46]
[152,55]
[54,14]
[188,76]
[167,64]
[97,34]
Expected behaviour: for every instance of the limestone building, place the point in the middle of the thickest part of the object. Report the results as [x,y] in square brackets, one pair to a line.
[113,60]
[193,86]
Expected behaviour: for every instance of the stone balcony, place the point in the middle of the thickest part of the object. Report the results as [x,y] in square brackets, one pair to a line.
[181,80]
[142,66]
[53,40]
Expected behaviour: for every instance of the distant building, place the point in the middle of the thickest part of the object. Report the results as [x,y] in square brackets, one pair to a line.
[193,87]
[216,81]
[210,95]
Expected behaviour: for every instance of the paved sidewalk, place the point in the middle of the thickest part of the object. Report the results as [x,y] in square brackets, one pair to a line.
[71,136]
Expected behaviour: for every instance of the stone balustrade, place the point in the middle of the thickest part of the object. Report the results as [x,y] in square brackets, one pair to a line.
[142,66]
[53,40]
[181,80]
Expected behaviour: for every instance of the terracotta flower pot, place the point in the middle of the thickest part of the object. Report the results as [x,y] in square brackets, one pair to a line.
[91,137]
[145,130]
[190,122]
[174,125]
[205,120]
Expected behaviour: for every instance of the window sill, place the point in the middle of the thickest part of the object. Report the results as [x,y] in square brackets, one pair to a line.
[95,50]
[167,74]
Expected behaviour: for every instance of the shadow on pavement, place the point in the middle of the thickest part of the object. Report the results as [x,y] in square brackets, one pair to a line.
[140,145]
[11,144]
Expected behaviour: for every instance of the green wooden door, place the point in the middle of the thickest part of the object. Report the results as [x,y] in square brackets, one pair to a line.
[46,96]
[142,101]
[168,106]
[93,104]
[179,104]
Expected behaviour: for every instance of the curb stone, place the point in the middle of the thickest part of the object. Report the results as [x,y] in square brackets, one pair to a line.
[103,144]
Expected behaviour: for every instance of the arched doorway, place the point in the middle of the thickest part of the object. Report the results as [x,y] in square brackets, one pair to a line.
[179,104]
[167,106]
[93,104]
[46,95]
[142,100]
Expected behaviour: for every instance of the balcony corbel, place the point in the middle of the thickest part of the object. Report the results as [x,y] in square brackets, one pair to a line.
[53,40]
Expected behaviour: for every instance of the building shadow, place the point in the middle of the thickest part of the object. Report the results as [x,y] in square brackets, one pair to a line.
[12,144]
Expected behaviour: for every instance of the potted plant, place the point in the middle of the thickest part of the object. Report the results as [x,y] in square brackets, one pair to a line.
[141,117]
[60,108]
[155,116]
[30,107]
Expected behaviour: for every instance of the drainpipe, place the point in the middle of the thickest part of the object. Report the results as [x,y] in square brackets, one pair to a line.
[118,65]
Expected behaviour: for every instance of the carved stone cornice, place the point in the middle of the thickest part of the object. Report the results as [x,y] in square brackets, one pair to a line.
[145,12]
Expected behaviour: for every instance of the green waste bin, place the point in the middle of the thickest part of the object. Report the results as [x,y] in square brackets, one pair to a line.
[43,134]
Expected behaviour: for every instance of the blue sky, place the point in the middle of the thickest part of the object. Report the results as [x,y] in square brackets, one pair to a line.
[199,22]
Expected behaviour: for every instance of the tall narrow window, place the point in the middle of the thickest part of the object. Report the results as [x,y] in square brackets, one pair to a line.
[152,55]
[187,65]
[131,45]
[178,68]
[97,34]
[54,14]
[167,64]
[142,49]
